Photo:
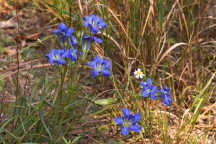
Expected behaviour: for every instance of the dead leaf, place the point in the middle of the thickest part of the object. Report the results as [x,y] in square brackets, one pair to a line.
[33,36]
[10,51]
[8,24]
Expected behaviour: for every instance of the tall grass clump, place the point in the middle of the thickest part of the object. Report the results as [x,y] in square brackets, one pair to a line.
[122,72]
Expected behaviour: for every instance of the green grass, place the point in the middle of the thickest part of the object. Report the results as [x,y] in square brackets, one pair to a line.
[171,41]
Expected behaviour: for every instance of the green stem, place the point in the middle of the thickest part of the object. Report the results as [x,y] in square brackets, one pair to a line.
[61,84]
[58,99]
[69,98]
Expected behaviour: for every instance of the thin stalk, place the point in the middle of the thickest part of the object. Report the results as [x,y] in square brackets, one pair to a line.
[68,99]
[165,128]
[59,96]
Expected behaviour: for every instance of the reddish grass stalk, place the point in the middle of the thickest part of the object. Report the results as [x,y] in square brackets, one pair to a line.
[18,45]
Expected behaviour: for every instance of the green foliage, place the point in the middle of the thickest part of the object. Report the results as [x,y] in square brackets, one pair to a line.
[170,40]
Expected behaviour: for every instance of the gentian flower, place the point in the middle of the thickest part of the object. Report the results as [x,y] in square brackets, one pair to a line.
[57,56]
[63,31]
[69,32]
[138,74]
[166,95]
[86,42]
[72,54]
[100,65]
[96,39]
[129,121]
[94,22]
[149,88]
[73,40]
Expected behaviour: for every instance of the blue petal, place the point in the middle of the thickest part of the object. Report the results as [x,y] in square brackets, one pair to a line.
[55,31]
[85,23]
[66,54]
[118,120]
[94,29]
[86,42]
[108,64]
[126,112]
[145,93]
[136,128]
[86,19]
[99,40]
[154,89]
[93,16]
[48,55]
[149,82]
[106,72]
[162,90]
[95,72]
[62,26]
[74,40]
[51,61]
[103,25]
[125,131]
[61,61]
[143,84]
[69,31]
[153,97]
[130,117]
[137,117]
[165,87]
[63,38]
[167,100]
[92,63]
[73,58]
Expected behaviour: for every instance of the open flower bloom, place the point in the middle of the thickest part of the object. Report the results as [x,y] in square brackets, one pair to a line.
[149,89]
[100,65]
[57,56]
[138,74]
[166,95]
[129,121]
[72,54]
[63,31]
[94,22]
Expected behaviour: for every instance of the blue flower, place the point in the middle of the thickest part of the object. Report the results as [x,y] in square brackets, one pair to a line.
[88,40]
[96,39]
[57,56]
[73,40]
[100,65]
[129,121]
[94,22]
[69,32]
[149,88]
[63,31]
[62,28]
[72,54]
[166,95]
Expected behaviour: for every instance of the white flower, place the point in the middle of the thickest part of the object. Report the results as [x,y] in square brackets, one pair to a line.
[138,74]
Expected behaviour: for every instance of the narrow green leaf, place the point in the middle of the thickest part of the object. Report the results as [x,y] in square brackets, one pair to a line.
[4,125]
[160,18]
[104,101]
[76,139]
[45,126]
[29,143]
